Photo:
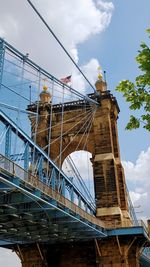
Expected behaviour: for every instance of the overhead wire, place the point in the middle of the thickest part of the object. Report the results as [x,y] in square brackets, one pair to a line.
[77,148]
[89,123]
[37,115]
[50,126]
[56,125]
[88,116]
[27,99]
[60,43]
[61,135]
[16,108]
[88,127]
[78,175]
[67,131]
[49,80]
[36,124]
[46,74]
[57,113]
[80,179]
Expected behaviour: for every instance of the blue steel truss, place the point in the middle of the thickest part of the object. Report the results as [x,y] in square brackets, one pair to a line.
[34,159]
[27,195]
[38,202]
[4,45]
[2,53]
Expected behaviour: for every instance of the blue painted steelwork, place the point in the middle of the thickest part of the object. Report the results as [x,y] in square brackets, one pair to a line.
[40,169]
[30,207]
[131,209]
[40,153]
[8,143]
[53,179]
[26,156]
[144,261]
[127,231]
[2,53]
[140,231]
[146,251]
[24,58]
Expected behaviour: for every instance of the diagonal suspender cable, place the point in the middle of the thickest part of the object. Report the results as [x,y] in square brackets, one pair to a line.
[64,121]
[84,124]
[66,131]
[50,30]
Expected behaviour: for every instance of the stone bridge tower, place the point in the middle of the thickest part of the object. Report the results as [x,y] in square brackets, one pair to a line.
[102,143]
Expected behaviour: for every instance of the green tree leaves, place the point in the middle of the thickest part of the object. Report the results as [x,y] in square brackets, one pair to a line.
[138,93]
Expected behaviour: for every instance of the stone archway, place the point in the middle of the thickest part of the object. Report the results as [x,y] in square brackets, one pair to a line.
[101,142]
[82,160]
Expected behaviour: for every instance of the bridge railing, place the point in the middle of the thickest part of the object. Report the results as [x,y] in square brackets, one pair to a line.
[35,158]
[146,252]
[126,223]
[28,180]
[131,209]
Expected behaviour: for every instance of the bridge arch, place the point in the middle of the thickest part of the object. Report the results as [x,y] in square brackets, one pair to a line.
[84,125]
[78,165]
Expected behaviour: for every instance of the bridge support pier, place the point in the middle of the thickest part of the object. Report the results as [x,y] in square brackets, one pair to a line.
[113,251]
[118,251]
[31,256]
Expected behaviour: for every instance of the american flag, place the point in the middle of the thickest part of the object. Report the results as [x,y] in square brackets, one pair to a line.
[66,79]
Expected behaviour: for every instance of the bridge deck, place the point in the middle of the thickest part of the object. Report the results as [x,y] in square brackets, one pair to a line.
[31,211]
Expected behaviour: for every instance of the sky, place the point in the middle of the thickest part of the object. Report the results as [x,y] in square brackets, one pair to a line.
[95,32]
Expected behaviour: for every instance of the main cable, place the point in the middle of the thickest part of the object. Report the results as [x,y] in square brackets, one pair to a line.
[50,30]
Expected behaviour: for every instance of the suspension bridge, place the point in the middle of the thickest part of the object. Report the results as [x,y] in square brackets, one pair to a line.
[47,209]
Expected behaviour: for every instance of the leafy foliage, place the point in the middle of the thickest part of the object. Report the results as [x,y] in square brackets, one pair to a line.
[138,93]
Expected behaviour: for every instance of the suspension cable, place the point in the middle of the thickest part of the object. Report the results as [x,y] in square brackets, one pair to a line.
[56,125]
[50,30]
[36,123]
[81,181]
[50,127]
[88,117]
[88,126]
[67,130]
[20,95]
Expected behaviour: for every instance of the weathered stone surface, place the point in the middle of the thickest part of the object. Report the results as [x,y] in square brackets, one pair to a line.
[112,251]
[102,142]
[109,180]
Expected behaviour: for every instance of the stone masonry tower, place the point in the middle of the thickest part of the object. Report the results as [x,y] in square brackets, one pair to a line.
[109,177]
[102,142]
[109,181]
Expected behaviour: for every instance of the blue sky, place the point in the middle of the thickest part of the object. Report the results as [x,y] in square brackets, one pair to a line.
[113,44]
[116,49]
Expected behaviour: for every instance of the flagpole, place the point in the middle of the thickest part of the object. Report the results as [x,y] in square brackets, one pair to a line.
[105,76]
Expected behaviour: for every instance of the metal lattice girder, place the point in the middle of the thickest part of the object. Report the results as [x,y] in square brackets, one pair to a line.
[40,153]
[26,156]
[30,218]
[8,143]
[2,53]
[24,58]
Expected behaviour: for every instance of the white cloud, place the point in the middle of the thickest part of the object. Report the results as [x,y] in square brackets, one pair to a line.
[2,32]
[138,179]
[137,176]
[90,71]
[135,196]
[83,164]
[72,21]
[106,6]
[140,171]
[9,258]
